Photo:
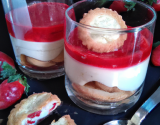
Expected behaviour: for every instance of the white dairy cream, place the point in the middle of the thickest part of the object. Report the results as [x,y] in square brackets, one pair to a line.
[127,79]
[45,112]
[104,21]
[44,51]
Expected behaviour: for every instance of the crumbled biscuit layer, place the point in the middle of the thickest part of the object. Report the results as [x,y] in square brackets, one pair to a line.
[92,90]
[29,61]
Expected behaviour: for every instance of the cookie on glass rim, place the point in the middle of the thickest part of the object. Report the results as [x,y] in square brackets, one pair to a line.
[34,109]
[96,40]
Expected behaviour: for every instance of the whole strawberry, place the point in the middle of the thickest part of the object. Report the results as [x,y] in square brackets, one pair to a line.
[156,5]
[122,6]
[12,89]
[118,6]
[155,58]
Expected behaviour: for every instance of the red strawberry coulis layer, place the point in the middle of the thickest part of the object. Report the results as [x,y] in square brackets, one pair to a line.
[136,49]
[40,22]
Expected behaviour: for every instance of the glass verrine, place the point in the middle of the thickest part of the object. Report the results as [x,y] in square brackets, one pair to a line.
[36,30]
[107,82]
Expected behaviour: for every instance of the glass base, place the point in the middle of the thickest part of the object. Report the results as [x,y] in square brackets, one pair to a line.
[102,108]
[42,74]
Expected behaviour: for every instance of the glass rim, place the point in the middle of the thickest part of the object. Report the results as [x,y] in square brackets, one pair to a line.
[110,30]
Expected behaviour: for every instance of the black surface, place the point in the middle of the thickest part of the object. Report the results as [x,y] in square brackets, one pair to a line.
[56,86]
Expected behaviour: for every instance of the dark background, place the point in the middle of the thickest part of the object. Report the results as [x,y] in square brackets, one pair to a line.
[56,86]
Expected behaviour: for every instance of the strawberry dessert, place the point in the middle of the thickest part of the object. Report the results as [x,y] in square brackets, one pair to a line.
[36,33]
[111,74]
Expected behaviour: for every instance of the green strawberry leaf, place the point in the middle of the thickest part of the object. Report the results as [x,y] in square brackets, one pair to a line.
[155,1]
[23,81]
[150,2]
[7,71]
[14,78]
[156,44]
[129,5]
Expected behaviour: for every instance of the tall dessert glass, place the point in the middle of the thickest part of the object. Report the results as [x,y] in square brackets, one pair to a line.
[36,30]
[107,77]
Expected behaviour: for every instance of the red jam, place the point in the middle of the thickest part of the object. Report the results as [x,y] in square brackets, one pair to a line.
[30,122]
[27,23]
[35,114]
[54,105]
[131,53]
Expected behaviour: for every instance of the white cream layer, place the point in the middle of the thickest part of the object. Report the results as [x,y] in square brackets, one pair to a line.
[44,51]
[45,112]
[127,79]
